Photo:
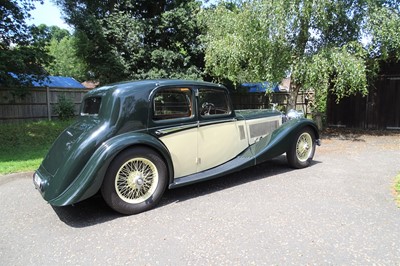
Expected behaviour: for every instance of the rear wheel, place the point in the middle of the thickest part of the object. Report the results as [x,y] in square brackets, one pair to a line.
[302,150]
[135,181]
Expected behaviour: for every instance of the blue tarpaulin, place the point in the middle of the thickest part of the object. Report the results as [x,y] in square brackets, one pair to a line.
[53,82]
[59,82]
[261,86]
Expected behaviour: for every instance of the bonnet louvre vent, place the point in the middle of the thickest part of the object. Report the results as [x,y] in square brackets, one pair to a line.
[241,132]
[260,129]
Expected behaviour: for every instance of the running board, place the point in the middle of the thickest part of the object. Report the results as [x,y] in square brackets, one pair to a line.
[238,163]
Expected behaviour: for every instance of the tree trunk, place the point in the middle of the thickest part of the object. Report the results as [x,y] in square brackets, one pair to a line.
[293,92]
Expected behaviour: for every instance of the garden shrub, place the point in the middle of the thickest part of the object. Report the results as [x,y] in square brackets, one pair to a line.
[65,108]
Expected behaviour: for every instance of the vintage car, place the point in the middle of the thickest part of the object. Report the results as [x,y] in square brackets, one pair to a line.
[133,140]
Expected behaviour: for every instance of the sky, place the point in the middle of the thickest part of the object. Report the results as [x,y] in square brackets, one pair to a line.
[48,14]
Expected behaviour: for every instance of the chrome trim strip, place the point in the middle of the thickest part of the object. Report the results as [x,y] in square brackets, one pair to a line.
[213,122]
[170,130]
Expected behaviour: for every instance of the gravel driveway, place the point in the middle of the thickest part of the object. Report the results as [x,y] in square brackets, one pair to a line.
[339,211]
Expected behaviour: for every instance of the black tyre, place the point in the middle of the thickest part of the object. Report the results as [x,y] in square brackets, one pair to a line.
[302,150]
[135,181]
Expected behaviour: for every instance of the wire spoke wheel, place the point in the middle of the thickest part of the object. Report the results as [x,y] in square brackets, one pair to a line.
[136,180]
[304,147]
[301,151]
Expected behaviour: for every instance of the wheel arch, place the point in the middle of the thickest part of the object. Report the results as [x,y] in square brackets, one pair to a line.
[314,129]
[282,138]
[91,177]
[161,151]
[302,150]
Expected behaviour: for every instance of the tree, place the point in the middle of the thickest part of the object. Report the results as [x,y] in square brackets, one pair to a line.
[43,34]
[13,29]
[66,62]
[18,54]
[60,45]
[383,26]
[137,39]
[319,43]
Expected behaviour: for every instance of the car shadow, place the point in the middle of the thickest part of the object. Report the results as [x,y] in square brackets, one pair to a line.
[265,170]
[95,211]
[86,213]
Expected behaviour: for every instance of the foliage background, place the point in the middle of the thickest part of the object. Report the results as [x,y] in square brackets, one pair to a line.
[137,39]
[326,45]
[320,44]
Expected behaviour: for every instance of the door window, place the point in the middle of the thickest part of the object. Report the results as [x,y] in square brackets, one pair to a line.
[172,103]
[213,102]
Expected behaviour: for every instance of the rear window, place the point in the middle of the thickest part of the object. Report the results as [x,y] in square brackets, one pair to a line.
[172,103]
[91,106]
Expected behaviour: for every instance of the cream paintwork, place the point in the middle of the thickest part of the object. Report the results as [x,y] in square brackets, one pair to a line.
[183,148]
[219,143]
[201,148]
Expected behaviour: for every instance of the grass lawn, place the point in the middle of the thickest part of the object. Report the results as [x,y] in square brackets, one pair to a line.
[23,145]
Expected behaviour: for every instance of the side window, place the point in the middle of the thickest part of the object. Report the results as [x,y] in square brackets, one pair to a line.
[213,102]
[91,106]
[172,103]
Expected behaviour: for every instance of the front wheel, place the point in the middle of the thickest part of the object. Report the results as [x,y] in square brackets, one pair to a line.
[135,181]
[302,150]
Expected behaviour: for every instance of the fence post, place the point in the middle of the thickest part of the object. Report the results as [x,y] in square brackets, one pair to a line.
[48,103]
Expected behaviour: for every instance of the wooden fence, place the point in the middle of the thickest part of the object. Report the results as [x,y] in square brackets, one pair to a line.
[260,100]
[380,109]
[37,103]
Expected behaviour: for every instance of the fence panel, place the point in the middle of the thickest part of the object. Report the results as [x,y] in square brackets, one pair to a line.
[38,103]
[262,101]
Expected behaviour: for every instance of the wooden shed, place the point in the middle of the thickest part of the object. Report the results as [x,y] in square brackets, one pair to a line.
[380,109]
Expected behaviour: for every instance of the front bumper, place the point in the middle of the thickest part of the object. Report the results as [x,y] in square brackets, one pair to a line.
[318,142]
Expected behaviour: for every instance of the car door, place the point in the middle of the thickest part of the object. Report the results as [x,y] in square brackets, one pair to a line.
[176,125]
[220,136]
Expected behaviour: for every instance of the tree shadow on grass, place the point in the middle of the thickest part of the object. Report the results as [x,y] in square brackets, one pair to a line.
[95,211]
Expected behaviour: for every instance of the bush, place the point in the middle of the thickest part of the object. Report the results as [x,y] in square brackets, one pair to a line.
[65,108]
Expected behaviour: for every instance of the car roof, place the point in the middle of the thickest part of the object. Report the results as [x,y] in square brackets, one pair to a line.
[149,85]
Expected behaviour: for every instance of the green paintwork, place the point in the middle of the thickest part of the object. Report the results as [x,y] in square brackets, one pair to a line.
[281,139]
[76,164]
[89,180]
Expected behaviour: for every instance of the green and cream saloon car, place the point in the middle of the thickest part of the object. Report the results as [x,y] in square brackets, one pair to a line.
[133,140]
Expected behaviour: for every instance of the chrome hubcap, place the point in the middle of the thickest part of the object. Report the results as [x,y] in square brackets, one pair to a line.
[135,180]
